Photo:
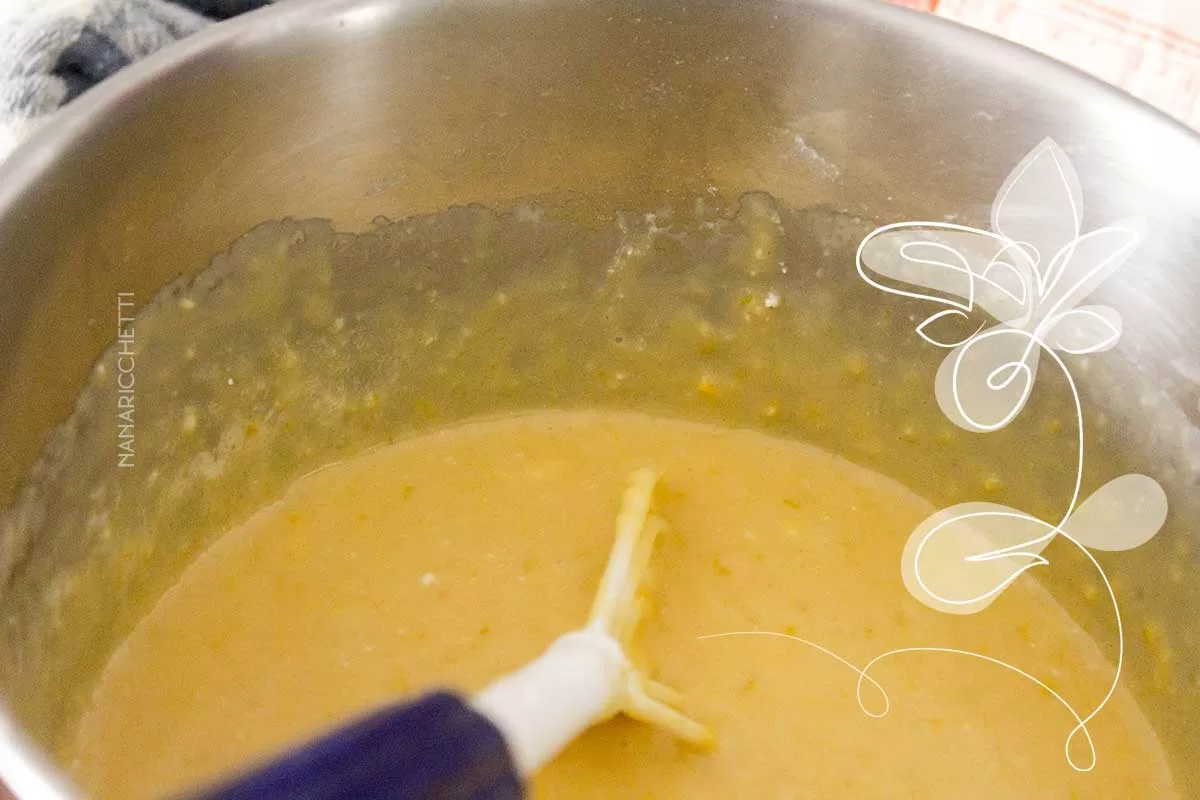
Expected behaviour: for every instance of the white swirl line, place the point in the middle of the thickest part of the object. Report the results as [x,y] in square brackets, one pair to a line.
[1020,367]
[862,673]
[1016,549]
[1076,212]
[1053,531]
[945,226]
[1048,301]
[948,312]
[1129,246]
[1082,351]
[1011,550]
[1080,722]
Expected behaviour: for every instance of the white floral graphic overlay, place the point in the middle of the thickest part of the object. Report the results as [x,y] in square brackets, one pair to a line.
[1032,273]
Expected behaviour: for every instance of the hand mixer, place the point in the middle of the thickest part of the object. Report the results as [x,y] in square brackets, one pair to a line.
[444,746]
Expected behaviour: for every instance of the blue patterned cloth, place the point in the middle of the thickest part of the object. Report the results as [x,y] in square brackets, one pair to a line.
[53,50]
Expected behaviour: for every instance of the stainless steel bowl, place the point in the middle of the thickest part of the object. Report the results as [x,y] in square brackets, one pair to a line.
[348,109]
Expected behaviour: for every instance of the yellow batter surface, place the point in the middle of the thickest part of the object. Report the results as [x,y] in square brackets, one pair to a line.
[452,558]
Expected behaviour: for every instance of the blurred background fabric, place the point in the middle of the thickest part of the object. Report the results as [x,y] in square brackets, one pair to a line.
[53,50]
[1149,48]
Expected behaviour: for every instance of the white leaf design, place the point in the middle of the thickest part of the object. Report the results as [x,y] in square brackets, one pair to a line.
[982,385]
[960,559]
[1084,330]
[1122,514]
[965,266]
[1010,275]
[1083,264]
[1040,205]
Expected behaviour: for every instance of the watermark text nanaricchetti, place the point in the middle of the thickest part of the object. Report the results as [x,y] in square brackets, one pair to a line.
[126,363]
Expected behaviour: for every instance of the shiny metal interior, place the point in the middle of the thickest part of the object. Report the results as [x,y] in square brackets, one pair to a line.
[349,109]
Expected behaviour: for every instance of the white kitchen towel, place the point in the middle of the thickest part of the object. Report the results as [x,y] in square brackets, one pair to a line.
[52,50]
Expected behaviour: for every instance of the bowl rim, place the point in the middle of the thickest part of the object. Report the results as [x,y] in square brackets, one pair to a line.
[24,768]
[70,125]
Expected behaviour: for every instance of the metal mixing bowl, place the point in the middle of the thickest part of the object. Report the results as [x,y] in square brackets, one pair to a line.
[349,109]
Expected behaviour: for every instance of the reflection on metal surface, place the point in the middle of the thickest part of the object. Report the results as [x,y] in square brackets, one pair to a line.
[281,114]
[1030,273]
[24,771]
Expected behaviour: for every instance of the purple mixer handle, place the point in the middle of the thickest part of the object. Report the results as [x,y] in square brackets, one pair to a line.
[436,748]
